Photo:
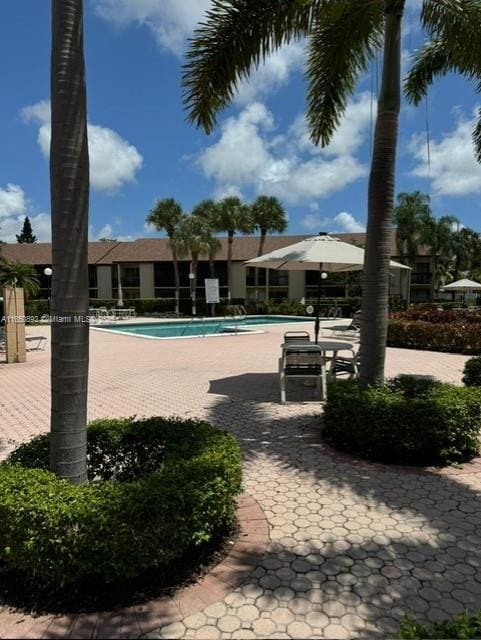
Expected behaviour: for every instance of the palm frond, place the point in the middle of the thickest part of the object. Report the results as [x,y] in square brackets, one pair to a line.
[458,24]
[477,137]
[235,37]
[429,62]
[344,39]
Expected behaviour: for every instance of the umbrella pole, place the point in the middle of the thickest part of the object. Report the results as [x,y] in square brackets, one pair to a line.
[318,308]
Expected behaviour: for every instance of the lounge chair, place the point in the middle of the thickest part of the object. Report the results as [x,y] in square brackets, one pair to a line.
[351,330]
[306,361]
[35,343]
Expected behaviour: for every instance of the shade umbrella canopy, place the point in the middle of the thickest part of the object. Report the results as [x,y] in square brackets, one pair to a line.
[319,252]
[463,285]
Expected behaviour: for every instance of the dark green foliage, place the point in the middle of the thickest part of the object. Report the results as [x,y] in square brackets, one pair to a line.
[407,421]
[26,235]
[472,372]
[463,627]
[175,484]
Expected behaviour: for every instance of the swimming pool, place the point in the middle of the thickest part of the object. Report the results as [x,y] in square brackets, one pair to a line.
[201,327]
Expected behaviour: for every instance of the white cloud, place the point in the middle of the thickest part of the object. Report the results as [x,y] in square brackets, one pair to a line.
[453,169]
[12,200]
[250,153]
[273,74]
[227,191]
[342,222]
[113,161]
[170,21]
[351,133]
[348,222]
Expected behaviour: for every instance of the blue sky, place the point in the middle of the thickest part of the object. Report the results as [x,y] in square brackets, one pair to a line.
[142,148]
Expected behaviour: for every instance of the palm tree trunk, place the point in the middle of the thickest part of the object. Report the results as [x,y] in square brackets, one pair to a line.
[176,280]
[69,184]
[230,242]
[256,273]
[375,299]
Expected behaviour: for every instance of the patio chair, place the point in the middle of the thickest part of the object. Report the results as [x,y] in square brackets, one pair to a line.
[296,336]
[346,366]
[305,361]
[35,343]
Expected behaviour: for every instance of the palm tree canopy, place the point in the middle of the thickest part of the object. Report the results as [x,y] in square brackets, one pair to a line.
[268,215]
[342,37]
[413,217]
[15,274]
[233,215]
[165,215]
[195,236]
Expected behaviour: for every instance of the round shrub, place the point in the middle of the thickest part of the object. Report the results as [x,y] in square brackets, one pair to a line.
[462,626]
[158,488]
[407,421]
[472,372]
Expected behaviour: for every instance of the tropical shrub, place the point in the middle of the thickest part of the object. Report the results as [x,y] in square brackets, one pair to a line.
[436,330]
[158,488]
[472,372]
[407,421]
[464,626]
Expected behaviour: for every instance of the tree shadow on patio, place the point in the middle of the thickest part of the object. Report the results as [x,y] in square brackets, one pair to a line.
[414,531]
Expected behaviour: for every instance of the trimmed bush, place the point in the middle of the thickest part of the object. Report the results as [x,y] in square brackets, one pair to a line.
[158,488]
[472,372]
[407,421]
[463,627]
[455,337]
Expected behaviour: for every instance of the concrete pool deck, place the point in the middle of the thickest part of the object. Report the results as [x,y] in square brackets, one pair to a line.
[352,546]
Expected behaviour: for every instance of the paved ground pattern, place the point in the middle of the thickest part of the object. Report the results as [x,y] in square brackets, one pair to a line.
[353,546]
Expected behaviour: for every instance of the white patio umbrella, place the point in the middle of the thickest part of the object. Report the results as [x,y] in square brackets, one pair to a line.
[319,253]
[463,286]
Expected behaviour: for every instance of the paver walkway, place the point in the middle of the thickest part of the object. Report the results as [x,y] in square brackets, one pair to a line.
[353,546]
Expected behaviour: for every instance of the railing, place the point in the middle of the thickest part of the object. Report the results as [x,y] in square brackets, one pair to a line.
[421,278]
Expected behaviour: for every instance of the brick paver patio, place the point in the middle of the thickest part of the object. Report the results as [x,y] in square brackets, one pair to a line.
[353,546]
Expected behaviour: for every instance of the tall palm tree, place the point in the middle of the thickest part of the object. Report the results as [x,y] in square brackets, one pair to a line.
[232,216]
[69,186]
[207,210]
[15,274]
[194,237]
[165,216]
[439,235]
[268,216]
[343,37]
[466,245]
[412,217]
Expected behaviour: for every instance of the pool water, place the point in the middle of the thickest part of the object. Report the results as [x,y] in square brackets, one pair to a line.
[202,327]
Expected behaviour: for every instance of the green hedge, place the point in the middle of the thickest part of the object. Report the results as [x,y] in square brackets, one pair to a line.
[158,488]
[407,421]
[464,626]
[454,337]
[472,372]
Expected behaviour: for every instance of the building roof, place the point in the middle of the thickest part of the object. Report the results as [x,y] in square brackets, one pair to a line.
[158,250]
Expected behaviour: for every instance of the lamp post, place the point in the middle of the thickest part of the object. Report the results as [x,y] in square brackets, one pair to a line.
[192,293]
[48,272]
[322,276]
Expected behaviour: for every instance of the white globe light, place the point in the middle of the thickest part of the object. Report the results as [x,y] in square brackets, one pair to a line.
[323,275]
[47,271]
[191,276]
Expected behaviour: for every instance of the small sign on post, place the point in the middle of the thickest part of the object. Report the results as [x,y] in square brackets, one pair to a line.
[212,290]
